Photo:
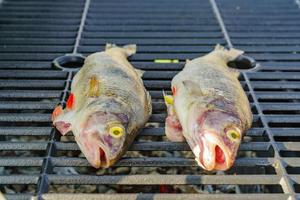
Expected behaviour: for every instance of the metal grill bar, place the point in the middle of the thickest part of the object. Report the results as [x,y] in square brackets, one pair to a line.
[22,179]
[154,162]
[14,131]
[168,180]
[33,33]
[167,196]
[170,146]
[33,161]
[142,146]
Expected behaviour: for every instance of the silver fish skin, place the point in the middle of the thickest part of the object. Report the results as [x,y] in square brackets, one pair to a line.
[209,109]
[107,106]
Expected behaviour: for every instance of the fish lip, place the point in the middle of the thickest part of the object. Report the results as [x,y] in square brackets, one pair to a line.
[106,153]
[213,141]
[196,150]
[98,163]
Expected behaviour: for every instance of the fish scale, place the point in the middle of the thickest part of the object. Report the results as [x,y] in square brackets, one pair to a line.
[128,99]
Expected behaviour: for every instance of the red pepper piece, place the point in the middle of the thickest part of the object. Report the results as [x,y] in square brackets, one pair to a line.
[174,90]
[70,101]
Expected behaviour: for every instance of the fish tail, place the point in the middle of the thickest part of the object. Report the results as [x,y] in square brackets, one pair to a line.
[128,49]
[231,54]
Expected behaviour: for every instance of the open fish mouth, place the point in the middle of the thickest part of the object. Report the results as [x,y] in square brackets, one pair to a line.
[212,154]
[103,158]
[95,152]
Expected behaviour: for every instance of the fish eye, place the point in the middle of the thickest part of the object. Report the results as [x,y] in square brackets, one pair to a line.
[116,130]
[233,135]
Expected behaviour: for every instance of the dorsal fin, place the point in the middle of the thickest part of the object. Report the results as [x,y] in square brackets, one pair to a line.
[219,47]
[129,49]
[109,46]
[140,72]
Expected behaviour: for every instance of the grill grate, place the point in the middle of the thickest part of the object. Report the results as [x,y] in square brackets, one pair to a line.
[36,162]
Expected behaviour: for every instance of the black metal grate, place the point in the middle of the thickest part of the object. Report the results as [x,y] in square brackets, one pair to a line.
[36,162]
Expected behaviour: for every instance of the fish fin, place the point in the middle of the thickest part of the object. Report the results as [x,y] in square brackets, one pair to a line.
[93,90]
[192,88]
[63,122]
[234,53]
[130,49]
[219,47]
[63,127]
[109,46]
[58,110]
[140,72]
[149,106]
[235,72]
[173,128]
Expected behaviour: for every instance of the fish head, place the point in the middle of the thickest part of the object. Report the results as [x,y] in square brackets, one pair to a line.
[101,136]
[215,134]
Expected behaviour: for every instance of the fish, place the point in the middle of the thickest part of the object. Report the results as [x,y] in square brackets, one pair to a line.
[209,109]
[2,196]
[108,105]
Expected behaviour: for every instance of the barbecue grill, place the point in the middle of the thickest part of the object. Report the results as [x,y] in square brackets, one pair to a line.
[37,162]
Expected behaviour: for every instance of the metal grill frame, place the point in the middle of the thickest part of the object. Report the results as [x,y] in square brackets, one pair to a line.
[47,177]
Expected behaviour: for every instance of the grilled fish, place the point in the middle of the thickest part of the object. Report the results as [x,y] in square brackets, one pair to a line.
[107,106]
[209,109]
